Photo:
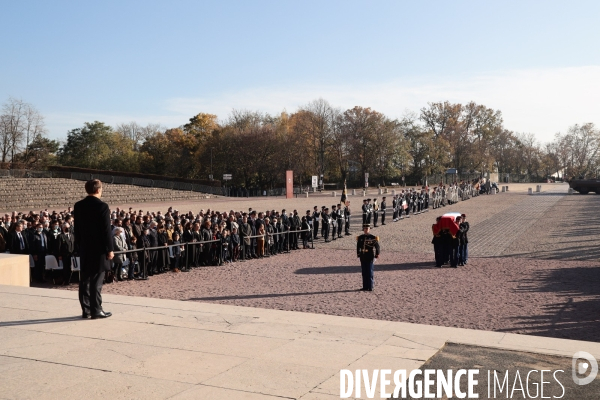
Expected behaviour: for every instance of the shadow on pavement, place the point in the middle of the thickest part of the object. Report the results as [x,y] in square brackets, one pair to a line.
[268,295]
[40,321]
[577,316]
[355,269]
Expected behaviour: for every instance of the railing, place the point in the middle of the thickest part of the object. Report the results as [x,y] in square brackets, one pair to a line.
[187,253]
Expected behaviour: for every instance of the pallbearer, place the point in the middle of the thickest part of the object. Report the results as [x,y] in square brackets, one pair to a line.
[367,249]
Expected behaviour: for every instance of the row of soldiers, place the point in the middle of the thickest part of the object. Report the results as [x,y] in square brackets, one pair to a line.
[403,204]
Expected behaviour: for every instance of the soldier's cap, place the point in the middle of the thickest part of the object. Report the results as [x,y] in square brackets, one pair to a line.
[383,198]
[368,199]
[334,206]
[322,207]
[366,226]
[463,215]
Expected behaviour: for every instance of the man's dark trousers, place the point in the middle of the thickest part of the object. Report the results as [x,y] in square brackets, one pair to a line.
[367,266]
[90,288]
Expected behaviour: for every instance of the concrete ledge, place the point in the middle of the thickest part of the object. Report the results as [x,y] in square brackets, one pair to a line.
[14,269]
[157,349]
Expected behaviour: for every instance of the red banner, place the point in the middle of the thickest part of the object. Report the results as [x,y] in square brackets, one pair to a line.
[289,184]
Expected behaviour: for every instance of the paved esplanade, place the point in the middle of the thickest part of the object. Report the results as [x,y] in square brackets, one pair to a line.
[493,236]
[159,349]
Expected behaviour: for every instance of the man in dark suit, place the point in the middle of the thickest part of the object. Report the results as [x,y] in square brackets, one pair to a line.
[65,250]
[17,242]
[93,239]
[39,248]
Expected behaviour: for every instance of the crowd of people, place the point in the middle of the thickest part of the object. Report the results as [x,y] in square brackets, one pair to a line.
[148,243]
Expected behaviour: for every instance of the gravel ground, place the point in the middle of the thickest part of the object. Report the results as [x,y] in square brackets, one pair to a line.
[538,285]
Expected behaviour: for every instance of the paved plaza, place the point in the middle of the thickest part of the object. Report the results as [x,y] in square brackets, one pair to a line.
[533,269]
[284,326]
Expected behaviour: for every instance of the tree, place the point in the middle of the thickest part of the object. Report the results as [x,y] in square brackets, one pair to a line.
[20,123]
[137,133]
[314,122]
[87,147]
[40,153]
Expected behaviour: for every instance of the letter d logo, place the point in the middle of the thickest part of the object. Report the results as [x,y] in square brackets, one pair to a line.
[582,367]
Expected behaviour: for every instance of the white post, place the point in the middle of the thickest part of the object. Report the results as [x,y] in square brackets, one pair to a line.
[393,192]
[353,192]
[332,194]
[530,191]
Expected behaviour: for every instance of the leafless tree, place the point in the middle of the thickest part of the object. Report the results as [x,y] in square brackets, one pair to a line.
[20,123]
[138,133]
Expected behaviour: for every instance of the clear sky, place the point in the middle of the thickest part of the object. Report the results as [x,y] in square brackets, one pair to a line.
[165,61]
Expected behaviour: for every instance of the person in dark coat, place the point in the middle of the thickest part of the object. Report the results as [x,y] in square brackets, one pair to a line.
[206,236]
[306,232]
[93,239]
[463,245]
[39,249]
[66,249]
[437,244]
[188,237]
[17,242]
[153,239]
[162,256]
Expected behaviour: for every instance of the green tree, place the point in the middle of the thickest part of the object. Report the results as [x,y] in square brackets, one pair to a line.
[40,153]
[87,147]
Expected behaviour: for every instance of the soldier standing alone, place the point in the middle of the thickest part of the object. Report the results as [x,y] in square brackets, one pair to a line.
[367,249]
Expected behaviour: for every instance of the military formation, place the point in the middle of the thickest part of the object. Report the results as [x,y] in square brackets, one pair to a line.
[450,241]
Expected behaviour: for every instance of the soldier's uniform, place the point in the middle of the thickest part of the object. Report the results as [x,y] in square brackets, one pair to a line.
[333,227]
[325,223]
[383,207]
[323,217]
[395,208]
[316,216]
[340,220]
[347,218]
[367,249]
[365,210]
[375,212]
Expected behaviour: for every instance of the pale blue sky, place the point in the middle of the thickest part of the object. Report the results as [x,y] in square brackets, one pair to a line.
[149,61]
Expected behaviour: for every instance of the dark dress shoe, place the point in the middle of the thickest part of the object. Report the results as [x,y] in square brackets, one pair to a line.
[102,314]
[85,315]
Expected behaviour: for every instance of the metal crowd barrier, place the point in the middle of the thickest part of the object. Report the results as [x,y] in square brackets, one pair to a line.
[142,262]
[270,235]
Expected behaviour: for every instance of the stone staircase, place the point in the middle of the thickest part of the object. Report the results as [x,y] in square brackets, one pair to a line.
[24,194]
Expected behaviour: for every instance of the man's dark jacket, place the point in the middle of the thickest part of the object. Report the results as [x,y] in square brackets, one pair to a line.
[93,236]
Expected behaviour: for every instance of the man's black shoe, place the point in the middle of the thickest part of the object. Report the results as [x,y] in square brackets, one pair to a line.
[85,315]
[102,314]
